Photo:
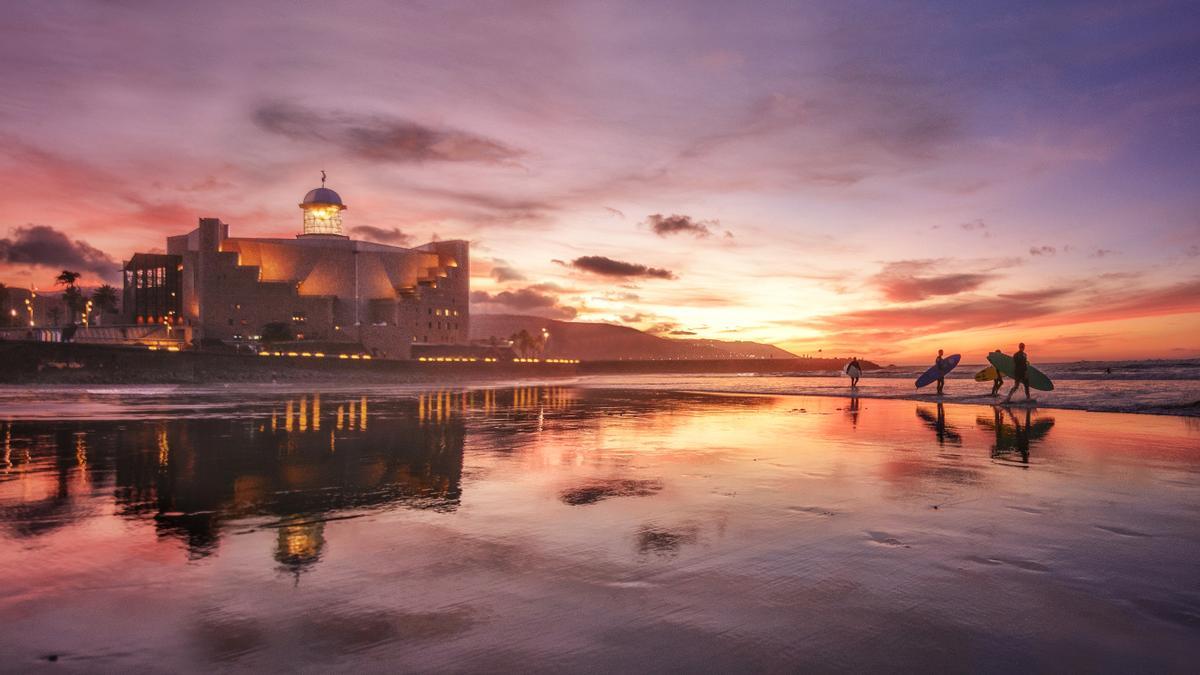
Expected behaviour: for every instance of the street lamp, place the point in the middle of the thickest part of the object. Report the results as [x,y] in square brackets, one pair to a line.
[87,310]
[29,304]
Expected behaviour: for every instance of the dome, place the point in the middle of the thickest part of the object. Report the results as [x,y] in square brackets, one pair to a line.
[322,195]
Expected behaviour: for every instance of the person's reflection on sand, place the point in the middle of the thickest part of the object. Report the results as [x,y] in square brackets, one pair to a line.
[852,411]
[937,422]
[1014,438]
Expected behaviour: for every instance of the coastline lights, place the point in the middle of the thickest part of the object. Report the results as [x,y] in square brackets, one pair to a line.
[488,359]
[316,355]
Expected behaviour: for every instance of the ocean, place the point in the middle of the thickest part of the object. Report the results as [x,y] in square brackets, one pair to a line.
[1165,387]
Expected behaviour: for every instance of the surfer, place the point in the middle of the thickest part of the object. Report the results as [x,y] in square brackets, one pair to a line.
[999,381]
[854,370]
[941,372]
[1020,372]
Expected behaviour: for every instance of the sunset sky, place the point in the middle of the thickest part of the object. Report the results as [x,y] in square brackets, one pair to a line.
[882,178]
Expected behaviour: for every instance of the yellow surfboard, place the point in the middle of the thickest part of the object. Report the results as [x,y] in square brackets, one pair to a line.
[986,375]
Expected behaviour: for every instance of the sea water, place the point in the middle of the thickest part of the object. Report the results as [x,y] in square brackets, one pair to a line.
[1158,387]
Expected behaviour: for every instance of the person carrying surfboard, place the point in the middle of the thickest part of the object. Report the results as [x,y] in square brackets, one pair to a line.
[854,370]
[1020,372]
[999,381]
[941,372]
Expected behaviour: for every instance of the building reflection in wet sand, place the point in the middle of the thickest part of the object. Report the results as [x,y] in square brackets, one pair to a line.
[307,460]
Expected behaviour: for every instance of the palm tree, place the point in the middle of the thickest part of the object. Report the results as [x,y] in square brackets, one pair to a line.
[523,342]
[72,296]
[105,300]
[67,278]
[75,300]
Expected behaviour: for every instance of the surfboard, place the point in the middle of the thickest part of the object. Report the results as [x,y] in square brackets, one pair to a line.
[948,364]
[986,375]
[852,370]
[1005,364]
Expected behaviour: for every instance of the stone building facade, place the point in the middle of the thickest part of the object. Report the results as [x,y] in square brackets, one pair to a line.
[327,287]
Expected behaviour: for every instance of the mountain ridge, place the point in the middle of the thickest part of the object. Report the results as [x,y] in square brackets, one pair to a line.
[603,341]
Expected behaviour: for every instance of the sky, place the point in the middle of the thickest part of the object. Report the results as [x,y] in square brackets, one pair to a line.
[874,178]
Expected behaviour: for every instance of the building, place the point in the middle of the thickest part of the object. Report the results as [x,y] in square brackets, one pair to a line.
[321,286]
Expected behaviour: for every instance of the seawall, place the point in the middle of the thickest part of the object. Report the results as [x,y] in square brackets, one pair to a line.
[67,363]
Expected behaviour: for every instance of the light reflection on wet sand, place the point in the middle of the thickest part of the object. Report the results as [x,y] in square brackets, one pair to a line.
[550,528]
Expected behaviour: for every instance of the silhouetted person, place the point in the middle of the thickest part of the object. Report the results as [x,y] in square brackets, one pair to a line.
[941,372]
[999,381]
[857,369]
[1020,372]
[68,332]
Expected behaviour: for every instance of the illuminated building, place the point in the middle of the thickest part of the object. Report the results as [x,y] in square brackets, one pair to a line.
[323,285]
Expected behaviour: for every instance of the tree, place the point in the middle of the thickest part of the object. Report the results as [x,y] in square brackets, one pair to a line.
[67,278]
[522,342]
[75,300]
[105,299]
[72,295]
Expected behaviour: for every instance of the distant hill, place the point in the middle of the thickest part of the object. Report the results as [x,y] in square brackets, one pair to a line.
[606,342]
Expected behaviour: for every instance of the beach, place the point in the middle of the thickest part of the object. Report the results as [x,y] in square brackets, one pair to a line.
[569,526]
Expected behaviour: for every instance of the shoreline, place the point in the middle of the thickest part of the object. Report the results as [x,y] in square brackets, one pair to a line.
[1186,409]
[479,382]
[1183,410]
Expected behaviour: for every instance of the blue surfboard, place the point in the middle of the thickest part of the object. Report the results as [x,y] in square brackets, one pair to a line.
[931,375]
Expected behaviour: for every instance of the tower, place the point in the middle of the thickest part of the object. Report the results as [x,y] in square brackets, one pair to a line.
[322,209]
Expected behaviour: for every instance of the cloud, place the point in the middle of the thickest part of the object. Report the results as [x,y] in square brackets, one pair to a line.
[530,300]
[1056,306]
[676,224]
[1102,253]
[607,267]
[503,272]
[661,328]
[902,281]
[381,138]
[941,317]
[44,246]
[491,209]
[973,225]
[385,236]
[1042,250]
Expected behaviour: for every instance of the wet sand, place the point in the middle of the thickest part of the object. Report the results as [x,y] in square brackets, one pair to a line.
[1144,396]
[556,528]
